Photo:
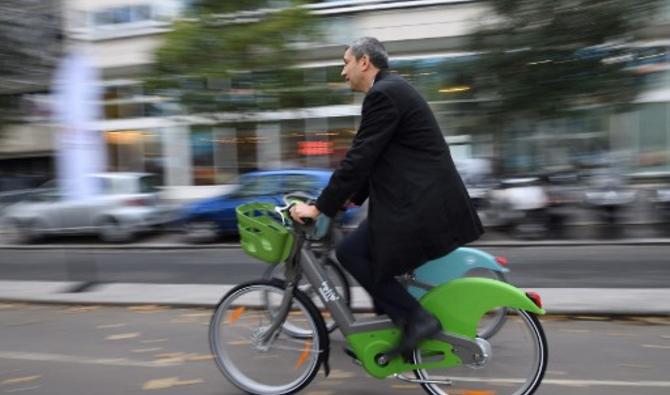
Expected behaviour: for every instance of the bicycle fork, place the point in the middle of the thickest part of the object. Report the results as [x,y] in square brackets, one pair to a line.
[282,313]
[293,275]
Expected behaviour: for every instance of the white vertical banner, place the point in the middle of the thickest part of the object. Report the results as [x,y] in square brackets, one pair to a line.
[80,149]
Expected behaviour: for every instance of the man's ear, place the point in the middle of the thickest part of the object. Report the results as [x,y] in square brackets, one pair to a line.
[365,62]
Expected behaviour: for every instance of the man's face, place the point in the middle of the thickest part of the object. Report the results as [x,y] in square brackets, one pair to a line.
[353,71]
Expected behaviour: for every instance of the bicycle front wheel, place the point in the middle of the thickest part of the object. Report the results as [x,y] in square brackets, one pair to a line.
[281,365]
[517,362]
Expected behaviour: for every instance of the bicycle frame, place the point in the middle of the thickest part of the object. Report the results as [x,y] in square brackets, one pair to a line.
[372,338]
[303,261]
[458,304]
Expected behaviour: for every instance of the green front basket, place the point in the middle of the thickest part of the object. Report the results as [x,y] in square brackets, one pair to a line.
[261,234]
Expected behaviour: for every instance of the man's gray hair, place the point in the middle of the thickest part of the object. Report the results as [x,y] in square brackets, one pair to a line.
[373,48]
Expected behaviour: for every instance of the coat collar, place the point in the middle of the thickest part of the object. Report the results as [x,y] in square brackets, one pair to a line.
[380,75]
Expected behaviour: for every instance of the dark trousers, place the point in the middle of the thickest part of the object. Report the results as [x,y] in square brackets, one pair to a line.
[389,296]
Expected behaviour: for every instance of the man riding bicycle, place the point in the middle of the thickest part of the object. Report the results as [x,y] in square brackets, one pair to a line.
[419,208]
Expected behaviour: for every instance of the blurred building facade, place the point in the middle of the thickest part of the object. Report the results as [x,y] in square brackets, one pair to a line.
[144,133]
[31,46]
[427,41]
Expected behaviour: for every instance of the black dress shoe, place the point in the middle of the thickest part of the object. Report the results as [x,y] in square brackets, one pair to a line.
[421,325]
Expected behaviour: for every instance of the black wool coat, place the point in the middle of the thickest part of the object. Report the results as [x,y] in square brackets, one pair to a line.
[419,208]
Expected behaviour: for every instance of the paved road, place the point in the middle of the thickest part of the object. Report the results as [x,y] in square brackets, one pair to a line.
[67,350]
[595,266]
[638,228]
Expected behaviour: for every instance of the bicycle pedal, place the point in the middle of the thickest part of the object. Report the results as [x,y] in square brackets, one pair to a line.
[384,358]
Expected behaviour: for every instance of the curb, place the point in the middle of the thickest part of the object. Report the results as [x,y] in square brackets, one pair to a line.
[557,301]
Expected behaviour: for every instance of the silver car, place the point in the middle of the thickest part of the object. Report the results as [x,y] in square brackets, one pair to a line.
[127,205]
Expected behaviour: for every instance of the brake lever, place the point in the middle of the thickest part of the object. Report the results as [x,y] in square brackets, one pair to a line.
[285,209]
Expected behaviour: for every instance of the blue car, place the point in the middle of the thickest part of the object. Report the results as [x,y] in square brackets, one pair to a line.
[208,219]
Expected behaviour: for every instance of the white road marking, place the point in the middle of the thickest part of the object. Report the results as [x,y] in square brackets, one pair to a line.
[23,389]
[18,380]
[566,382]
[41,357]
[657,346]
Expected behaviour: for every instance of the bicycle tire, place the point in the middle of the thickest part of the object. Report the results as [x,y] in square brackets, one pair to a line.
[314,352]
[476,384]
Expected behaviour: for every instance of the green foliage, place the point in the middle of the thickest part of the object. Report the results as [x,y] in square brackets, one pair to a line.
[236,56]
[541,58]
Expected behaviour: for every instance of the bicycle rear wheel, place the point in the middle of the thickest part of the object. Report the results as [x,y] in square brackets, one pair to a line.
[284,364]
[516,367]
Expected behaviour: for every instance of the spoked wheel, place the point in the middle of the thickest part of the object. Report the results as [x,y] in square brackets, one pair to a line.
[340,282]
[282,365]
[516,365]
[491,323]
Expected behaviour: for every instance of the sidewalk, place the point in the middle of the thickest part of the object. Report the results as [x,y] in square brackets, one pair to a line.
[570,301]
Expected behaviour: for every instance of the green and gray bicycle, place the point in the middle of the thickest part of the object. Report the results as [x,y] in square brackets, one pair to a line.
[255,350]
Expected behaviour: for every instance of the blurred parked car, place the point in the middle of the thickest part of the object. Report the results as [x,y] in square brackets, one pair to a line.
[208,219]
[12,197]
[127,205]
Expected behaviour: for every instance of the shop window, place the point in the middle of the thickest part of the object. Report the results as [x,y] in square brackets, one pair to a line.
[135,150]
[202,149]
[653,139]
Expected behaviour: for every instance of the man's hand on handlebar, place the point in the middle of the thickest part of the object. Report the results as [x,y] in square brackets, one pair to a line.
[300,211]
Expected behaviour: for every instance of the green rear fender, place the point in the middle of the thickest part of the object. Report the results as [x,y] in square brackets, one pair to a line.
[459,305]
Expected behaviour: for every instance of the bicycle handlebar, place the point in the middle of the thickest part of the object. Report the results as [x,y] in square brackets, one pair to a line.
[299,196]
[289,200]
[320,227]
